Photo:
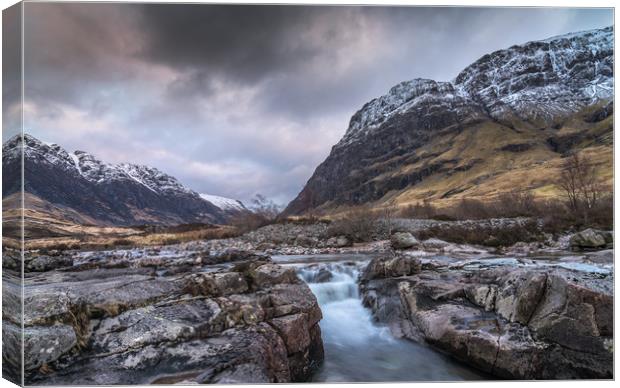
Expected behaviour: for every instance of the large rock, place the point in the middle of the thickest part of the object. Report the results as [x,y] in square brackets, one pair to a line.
[509,320]
[403,240]
[389,267]
[39,263]
[294,330]
[339,242]
[270,274]
[173,316]
[591,239]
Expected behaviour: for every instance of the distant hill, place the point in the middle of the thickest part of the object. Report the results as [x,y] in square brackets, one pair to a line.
[84,189]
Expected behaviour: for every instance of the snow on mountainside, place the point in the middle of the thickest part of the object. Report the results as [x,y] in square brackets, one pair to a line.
[224,203]
[509,112]
[93,169]
[113,194]
[535,80]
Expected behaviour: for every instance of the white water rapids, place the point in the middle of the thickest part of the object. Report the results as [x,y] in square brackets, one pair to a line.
[356,348]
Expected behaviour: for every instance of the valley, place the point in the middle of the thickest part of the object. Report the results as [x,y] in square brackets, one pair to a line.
[459,230]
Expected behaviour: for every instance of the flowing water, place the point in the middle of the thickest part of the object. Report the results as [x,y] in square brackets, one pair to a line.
[356,348]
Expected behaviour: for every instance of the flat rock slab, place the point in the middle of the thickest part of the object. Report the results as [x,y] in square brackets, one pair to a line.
[131,317]
[510,318]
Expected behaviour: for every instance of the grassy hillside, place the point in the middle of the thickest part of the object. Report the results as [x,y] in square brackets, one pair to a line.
[488,158]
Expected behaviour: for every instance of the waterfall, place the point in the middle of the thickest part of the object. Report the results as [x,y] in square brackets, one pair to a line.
[356,348]
[331,282]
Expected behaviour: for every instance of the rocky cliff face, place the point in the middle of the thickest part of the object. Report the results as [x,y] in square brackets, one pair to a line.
[123,194]
[402,138]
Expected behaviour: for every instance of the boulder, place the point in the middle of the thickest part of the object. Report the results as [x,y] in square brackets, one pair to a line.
[270,274]
[42,263]
[44,344]
[591,239]
[389,267]
[435,243]
[174,316]
[510,320]
[294,331]
[323,276]
[216,284]
[403,240]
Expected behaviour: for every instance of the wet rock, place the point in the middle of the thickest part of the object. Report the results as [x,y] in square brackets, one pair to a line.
[270,274]
[601,257]
[241,374]
[129,318]
[403,240]
[591,239]
[435,243]
[387,267]
[323,276]
[157,324]
[506,318]
[43,345]
[254,353]
[294,331]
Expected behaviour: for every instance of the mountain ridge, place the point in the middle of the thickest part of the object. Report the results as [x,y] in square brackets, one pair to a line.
[114,194]
[525,88]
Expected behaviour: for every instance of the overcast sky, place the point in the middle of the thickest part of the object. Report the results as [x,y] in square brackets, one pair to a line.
[239,100]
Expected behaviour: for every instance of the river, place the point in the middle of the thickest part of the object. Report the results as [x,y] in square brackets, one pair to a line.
[356,348]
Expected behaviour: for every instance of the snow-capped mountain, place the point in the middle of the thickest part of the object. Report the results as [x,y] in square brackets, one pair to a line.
[533,86]
[226,204]
[119,194]
[539,79]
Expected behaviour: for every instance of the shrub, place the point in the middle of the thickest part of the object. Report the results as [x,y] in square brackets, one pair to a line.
[121,242]
[494,236]
[557,215]
[359,225]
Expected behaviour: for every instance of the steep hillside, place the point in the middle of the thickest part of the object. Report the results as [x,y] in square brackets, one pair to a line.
[84,189]
[504,123]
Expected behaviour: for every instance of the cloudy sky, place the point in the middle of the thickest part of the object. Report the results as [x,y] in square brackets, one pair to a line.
[239,100]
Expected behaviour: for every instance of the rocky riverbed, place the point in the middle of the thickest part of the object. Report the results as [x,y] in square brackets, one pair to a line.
[546,317]
[245,310]
[162,316]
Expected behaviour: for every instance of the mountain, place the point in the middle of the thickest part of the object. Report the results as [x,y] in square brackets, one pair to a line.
[227,205]
[503,123]
[91,191]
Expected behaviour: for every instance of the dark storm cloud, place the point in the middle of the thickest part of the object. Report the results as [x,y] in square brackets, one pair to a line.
[235,100]
[11,72]
[245,42]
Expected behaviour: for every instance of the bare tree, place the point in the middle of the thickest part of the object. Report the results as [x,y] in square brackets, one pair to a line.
[580,182]
[358,224]
[388,214]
